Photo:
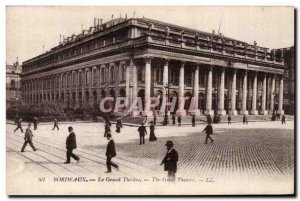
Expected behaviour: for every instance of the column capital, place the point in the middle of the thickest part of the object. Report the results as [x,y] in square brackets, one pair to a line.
[182,63]
[166,61]
[148,59]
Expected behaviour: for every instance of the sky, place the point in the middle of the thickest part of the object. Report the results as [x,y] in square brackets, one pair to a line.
[28,29]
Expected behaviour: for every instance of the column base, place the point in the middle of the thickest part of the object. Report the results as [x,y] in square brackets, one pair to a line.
[280,112]
[221,112]
[263,112]
[135,113]
[196,113]
[181,113]
[148,113]
[211,112]
[254,112]
[233,112]
[270,112]
[242,112]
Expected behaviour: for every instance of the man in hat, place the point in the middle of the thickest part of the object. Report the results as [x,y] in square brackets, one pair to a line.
[209,119]
[229,119]
[110,153]
[19,125]
[170,160]
[55,124]
[283,119]
[209,131]
[142,131]
[179,120]
[245,120]
[28,139]
[71,145]
[193,121]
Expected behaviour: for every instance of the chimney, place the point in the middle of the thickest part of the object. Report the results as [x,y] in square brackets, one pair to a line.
[101,21]
[94,22]
[60,39]
[213,32]
[112,17]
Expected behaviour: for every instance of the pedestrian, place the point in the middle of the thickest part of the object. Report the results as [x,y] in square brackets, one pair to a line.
[152,134]
[34,123]
[179,120]
[154,119]
[229,119]
[110,153]
[55,124]
[208,119]
[19,125]
[209,131]
[28,139]
[173,119]
[106,129]
[170,161]
[142,132]
[71,145]
[193,121]
[283,119]
[118,126]
[166,120]
[245,120]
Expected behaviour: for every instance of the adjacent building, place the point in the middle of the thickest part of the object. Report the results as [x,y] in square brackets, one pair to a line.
[13,84]
[141,57]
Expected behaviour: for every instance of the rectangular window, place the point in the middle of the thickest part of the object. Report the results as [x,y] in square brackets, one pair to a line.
[80,78]
[112,74]
[94,76]
[12,83]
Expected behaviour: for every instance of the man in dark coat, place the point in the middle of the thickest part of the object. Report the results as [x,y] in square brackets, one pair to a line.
[28,139]
[209,131]
[19,125]
[34,123]
[71,145]
[170,160]
[209,119]
[110,153]
[229,119]
[142,132]
[193,121]
[245,120]
[154,119]
[179,120]
[55,124]
[173,119]
[283,119]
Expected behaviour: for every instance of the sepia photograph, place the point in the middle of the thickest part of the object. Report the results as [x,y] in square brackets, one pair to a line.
[150,101]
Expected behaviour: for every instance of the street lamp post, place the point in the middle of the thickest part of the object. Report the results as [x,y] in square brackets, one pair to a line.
[217,104]
[130,101]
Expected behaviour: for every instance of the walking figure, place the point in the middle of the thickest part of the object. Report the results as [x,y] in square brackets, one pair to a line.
[166,120]
[142,131]
[154,119]
[71,145]
[119,125]
[55,124]
[283,119]
[19,125]
[173,119]
[106,129]
[152,134]
[209,131]
[28,139]
[170,161]
[110,153]
[209,119]
[245,120]
[179,120]
[34,123]
[229,119]
[193,121]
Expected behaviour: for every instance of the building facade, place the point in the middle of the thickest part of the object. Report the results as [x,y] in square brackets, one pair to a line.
[145,58]
[13,84]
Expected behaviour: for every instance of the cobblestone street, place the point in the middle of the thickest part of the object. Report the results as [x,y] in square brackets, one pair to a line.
[252,154]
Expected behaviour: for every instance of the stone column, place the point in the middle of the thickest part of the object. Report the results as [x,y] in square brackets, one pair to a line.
[272,95]
[244,100]
[254,96]
[280,104]
[233,94]
[264,97]
[147,109]
[165,83]
[127,84]
[221,110]
[135,112]
[209,93]
[181,110]
[196,92]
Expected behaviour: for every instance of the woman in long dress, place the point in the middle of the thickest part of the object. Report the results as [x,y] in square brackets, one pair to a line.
[152,134]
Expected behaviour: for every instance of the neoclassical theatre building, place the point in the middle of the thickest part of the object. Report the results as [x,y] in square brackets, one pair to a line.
[140,57]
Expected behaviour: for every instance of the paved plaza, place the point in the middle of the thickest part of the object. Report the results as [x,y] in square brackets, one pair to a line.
[257,154]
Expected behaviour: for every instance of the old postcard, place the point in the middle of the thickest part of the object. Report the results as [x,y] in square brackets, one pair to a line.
[150,100]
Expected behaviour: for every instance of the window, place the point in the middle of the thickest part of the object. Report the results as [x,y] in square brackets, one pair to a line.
[112,74]
[202,79]
[12,83]
[140,74]
[86,77]
[74,78]
[102,75]
[80,78]
[94,76]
